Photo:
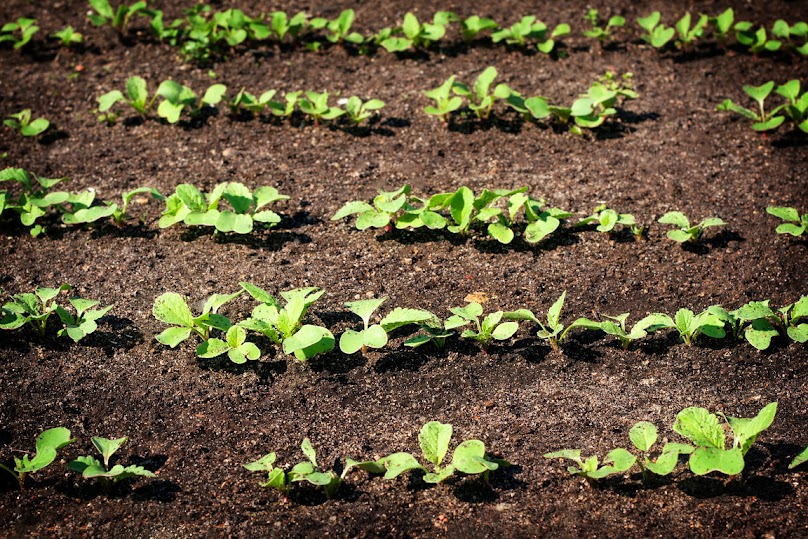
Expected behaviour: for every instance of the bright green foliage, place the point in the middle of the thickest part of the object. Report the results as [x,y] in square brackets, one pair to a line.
[722,24]
[358,112]
[796,108]
[795,224]
[118,19]
[32,309]
[644,435]
[234,345]
[787,34]
[68,37]
[799,459]
[91,467]
[35,199]
[465,210]
[602,33]
[400,317]
[469,457]
[372,335]
[592,109]
[26,28]
[685,232]
[137,97]
[282,25]
[755,39]
[541,222]
[445,103]
[528,28]
[286,109]
[416,34]
[688,324]
[47,445]
[616,326]
[171,308]
[339,29]
[690,34]
[763,322]
[247,101]
[484,332]
[480,100]
[22,122]
[472,26]
[657,34]
[82,210]
[316,106]
[607,218]
[171,33]
[382,213]
[764,121]
[616,461]
[552,330]
[84,322]
[705,432]
[432,330]
[190,206]
[177,98]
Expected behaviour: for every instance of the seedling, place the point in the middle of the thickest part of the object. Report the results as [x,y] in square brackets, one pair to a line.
[48,443]
[785,32]
[90,467]
[416,34]
[616,326]
[763,322]
[381,214]
[480,101]
[755,39]
[469,457]
[644,435]
[247,101]
[657,34]
[592,108]
[542,222]
[32,309]
[445,103]
[21,122]
[485,331]
[170,34]
[616,461]
[373,336]
[764,121]
[137,97]
[552,330]
[722,24]
[795,224]
[339,29]
[607,219]
[282,25]
[687,34]
[602,34]
[358,112]
[529,28]
[688,324]
[68,37]
[472,26]
[172,309]
[400,317]
[286,109]
[24,26]
[799,459]
[466,209]
[118,19]
[316,106]
[430,331]
[35,198]
[687,233]
[797,107]
[83,211]
[178,98]
[704,430]
[84,322]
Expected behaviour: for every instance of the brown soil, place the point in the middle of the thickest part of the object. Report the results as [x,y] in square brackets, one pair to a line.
[196,421]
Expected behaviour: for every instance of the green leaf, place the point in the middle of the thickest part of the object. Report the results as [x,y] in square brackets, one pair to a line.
[308,450]
[365,308]
[676,218]
[212,348]
[461,206]
[434,439]
[351,341]
[374,336]
[680,236]
[500,232]
[799,459]
[400,317]
[398,463]
[106,101]
[746,430]
[505,330]
[171,308]
[711,459]
[439,476]
[308,342]
[554,313]
[469,458]
[760,333]
[108,447]
[620,459]
[643,435]
[701,427]
[173,336]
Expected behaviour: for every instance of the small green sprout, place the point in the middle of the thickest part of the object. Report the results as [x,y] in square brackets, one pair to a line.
[84,322]
[137,97]
[592,108]
[473,25]
[607,219]
[469,457]
[799,459]
[416,34]
[90,467]
[552,330]
[373,336]
[705,432]
[491,327]
[644,435]
[286,109]
[47,445]
[687,34]
[616,326]
[722,25]
[602,34]
[400,317]
[796,109]
[795,224]
[480,100]
[685,233]
[357,112]
[657,34]
[339,29]
[282,25]
[167,33]
[429,331]
[764,121]
[177,98]
[785,32]
[247,101]
[117,19]
[316,106]
[68,37]
[688,324]
[530,28]
[616,461]
[542,222]
[26,28]
[22,122]
[84,212]
[763,322]
[32,309]
[234,345]
[755,39]
[171,308]
[381,214]
[445,103]
[35,199]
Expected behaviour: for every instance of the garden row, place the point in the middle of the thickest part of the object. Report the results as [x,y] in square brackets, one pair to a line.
[459,212]
[205,34]
[708,451]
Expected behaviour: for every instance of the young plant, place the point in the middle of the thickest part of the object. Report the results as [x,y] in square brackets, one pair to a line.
[472,26]
[22,122]
[358,112]
[316,106]
[796,109]
[171,308]
[616,326]
[282,25]
[616,461]
[785,32]
[373,336]
[764,121]
[644,435]
[685,233]
[26,28]
[480,100]
[177,98]
[118,19]
[445,103]
[381,214]
[469,457]
[602,33]
[234,345]
[90,467]
[688,324]
[137,97]
[795,224]
[657,34]
[339,29]
[705,432]
[607,219]
[762,322]
[433,331]
[689,35]
[48,443]
[552,330]
[286,109]
[400,317]
[32,309]
[416,34]
[247,101]
[722,25]
[529,28]
[755,39]
[485,331]
[541,222]
[35,198]
[68,37]
[84,322]
[592,108]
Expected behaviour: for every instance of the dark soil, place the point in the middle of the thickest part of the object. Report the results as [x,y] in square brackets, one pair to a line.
[195,422]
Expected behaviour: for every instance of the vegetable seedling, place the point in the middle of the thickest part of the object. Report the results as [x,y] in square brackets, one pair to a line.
[118,19]
[685,233]
[688,324]
[48,443]
[339,29]
[26,28]
[530,28]
[602,33]
[234,345]
[689,35]
[616,326]
[373,336]
[416,34]
[616,461]
[657,34]
[763,322]
[68,37]
[485,331]
[316,106]
[473,25]
[32,309]
[84,322]
[592,108]
[172,309]
[607,219]
[90,467]
[795,224]
[705,432]
[35,199]
[358,112]
[178,98]
[763,121]
[785,32]
[797,107]
[644,435]
[286,109]
[381,214]
[445,103]
[552,330]
[722,24]
[541,222]
[22,122]
[247,101]
[755,39]
[137,97]
[480,100]
[282,25]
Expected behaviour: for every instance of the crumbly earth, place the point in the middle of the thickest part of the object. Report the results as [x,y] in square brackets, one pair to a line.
[195,422]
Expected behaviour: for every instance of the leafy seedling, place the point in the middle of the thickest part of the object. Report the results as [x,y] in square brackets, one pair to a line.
[339,29]
[137,97]
[799,459]
[606,219]
[417,34]
[316,106]
[602,33]
[244,100]
[594,107]
[705,432]
[616,326]
[48,443]
[234,345]
[32,309]
[473,25]
[84,322]
[90,467]
[685,233]
[762,322]
[688,34]
[763,121]
[657,34]
[401,317]
[480,100]
[796,109]
[287,108]
[171,308]
[644,435]
[358,112]
[372,335]
[530,28]
[445,103]
[688,324]
[381,214]
[35,199]
[722,25]
[68,37]
[616,461]
[22,122]
[177,98]
[118,19]
[755,39]
[469,457]
[484,331]
[787,34]
[24,26]
[795,224]
[282,25]
[552,330]
[542,221]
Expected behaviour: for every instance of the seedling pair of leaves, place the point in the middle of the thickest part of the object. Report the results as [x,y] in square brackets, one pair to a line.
[755,38]
[796,107]
[602,33]
[171,308]
[178,97]
[22,122]
[283,324]
[763,121]
[90,467]
[481,100]
[35,198]
[616,461]
[501,222]
[616,326]
[762,322]
[282,25]
[48,443]
[193,208]
[315,105]
[484,331]
[687,233]
[32,309]
[473,25]
[657,34]
[688,324]
[607,219]
[25,27]
[795,224]
[591,109]
[68,37]
[552,330]
[688,34]
[84,212]
[417,34]
[357,111]
[137,97]
[786,33]
[247,101]
[469,457]
[466,209]
[339,29]
[382,213]
[118,19]
[528,28]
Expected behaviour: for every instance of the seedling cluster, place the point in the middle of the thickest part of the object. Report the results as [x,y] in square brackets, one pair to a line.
[795,107]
